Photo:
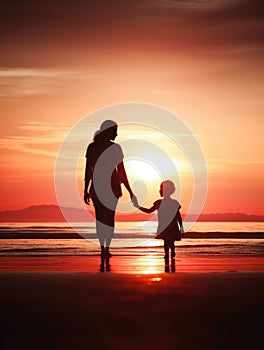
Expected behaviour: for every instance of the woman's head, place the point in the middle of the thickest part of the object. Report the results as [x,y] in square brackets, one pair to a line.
[107,131]
[167,188]
[107,124]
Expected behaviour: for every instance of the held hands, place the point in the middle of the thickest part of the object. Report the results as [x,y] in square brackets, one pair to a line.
[134,200]
[86,198]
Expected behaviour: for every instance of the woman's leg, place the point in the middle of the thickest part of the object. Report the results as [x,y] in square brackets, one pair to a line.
[166,249]
[108,237]
[172,247]
[100,236]
[105,222]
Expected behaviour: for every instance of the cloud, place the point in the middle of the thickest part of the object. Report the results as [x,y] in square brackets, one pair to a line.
[87,27]
[199,5]
[21,72]
[45,127]
[240,167]
[23,81]
[228,8]
[15,82]
[37,139]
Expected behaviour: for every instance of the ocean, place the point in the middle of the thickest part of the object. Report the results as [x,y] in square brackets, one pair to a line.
[131,238]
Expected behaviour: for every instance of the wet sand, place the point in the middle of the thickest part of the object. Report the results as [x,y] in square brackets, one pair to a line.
[126,311]
[134,264]
[66,303]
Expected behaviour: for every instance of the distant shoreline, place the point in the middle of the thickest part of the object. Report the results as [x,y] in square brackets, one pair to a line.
[53,213]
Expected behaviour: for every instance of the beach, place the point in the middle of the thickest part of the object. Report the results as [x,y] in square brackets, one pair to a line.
[67,303]
[122,122]
[58,293]
[141,264]
[121,311]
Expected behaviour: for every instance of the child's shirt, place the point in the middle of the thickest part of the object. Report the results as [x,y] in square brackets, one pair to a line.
[168,214]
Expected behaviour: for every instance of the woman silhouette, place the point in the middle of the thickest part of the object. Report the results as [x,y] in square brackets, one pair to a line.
[104,173]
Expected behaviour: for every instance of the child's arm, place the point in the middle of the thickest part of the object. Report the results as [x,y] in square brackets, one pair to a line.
[147,210]
[154,207]
[179,219]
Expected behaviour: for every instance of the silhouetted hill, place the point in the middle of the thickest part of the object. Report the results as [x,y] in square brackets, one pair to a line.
[230,217]
[52,213]
[40,213]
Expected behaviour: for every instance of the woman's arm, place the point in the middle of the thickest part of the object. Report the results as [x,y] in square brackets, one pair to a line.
[87,180]
[123,178]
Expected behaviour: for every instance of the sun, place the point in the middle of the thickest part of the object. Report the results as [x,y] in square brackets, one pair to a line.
[140,169]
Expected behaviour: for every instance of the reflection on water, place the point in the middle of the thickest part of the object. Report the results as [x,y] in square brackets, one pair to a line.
[157,265]
[156,279]
[170,265]
[105,264]
[150,265]
[145,265]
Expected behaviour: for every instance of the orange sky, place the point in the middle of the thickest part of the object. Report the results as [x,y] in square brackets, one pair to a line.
[201,60]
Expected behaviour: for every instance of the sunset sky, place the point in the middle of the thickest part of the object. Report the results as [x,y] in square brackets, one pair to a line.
[201,60]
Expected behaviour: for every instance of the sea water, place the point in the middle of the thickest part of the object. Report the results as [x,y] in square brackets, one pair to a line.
[131,238]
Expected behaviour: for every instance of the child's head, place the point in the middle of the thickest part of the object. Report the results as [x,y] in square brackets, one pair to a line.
[167,188]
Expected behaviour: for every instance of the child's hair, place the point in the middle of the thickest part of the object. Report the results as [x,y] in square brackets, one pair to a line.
[167,187]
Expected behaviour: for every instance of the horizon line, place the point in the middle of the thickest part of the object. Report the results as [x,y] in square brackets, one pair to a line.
[123,214]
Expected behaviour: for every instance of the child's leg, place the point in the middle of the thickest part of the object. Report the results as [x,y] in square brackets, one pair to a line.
[166,248]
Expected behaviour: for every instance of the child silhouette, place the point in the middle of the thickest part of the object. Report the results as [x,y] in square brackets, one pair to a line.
[170,227]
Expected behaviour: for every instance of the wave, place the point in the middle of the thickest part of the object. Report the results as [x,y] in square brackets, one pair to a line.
[21,234]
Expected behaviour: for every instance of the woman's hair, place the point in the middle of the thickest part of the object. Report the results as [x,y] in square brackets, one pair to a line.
[105,131]
[167,187]
[96,135]
[107,124]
